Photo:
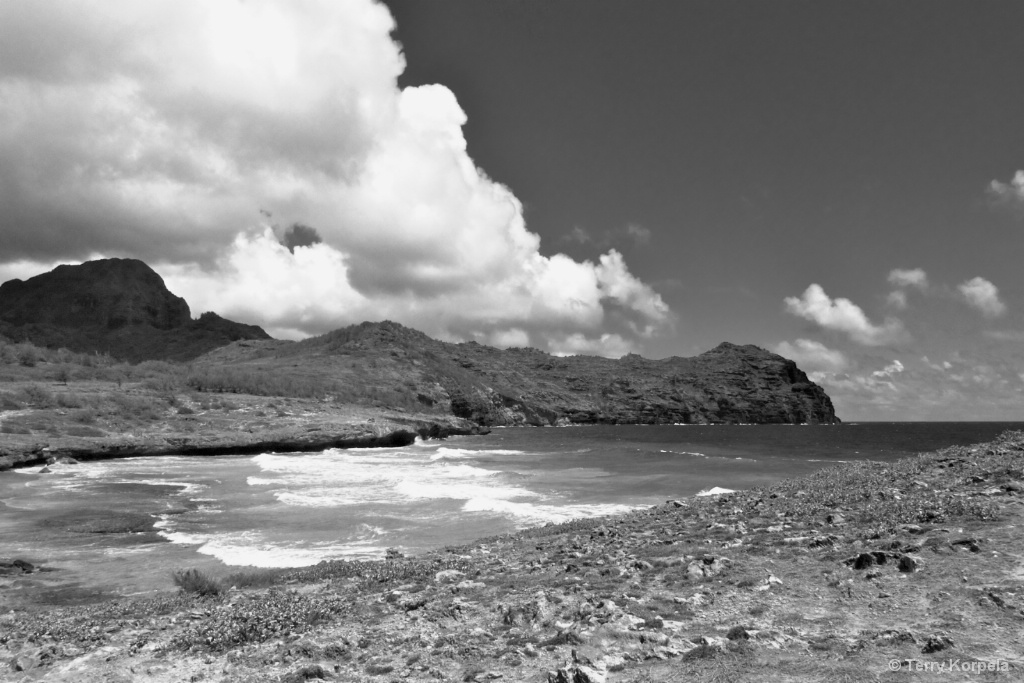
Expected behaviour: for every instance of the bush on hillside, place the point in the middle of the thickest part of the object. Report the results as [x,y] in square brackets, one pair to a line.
[195,582]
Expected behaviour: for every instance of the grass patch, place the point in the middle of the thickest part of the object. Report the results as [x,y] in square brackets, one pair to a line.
[195,582]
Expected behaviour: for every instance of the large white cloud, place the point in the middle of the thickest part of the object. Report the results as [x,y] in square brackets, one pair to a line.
[163,128]
[983,295]
[842,315]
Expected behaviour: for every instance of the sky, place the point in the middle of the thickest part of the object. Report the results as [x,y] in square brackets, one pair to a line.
[837,182]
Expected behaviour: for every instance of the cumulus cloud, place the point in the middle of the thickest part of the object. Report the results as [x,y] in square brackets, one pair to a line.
[983,295]
[889,370]
[813,356]
[915,277]
[842,315]
[161,129]
[1012,191]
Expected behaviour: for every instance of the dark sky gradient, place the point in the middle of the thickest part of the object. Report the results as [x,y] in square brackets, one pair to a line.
[764,145]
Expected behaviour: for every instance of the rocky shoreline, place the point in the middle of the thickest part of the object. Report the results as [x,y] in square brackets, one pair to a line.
[864,571]
[223,425]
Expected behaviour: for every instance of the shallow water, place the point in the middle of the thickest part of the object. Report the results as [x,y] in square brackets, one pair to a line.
[277,510]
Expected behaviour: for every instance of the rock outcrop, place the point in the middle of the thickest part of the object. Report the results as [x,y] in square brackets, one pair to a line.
[115,306]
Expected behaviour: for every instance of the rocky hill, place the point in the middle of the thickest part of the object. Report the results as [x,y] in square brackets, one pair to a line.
[115,306]
[394,366]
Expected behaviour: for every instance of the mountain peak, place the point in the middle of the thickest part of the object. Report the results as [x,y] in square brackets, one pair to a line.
[115,305]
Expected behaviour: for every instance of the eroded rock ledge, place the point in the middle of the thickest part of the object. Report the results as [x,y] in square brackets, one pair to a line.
[307,426]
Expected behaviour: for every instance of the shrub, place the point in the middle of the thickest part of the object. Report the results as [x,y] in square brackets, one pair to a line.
[62,374]
[138,407]
[69,400]
[12,428]
[28,355]
[86,416]
[195,582]
[38,396]
[8,401]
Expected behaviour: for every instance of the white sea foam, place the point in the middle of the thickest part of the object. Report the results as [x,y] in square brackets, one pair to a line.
[693,453]
[715,491]
[445,453]
[338,478]
[250,548]
[460,491]
[528,514]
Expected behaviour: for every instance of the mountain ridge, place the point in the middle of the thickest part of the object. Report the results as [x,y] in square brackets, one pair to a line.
[122,307]
[525,386]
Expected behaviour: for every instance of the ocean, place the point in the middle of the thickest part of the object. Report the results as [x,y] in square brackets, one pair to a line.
[223,513]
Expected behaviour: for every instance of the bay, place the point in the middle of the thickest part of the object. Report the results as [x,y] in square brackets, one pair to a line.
[288,510]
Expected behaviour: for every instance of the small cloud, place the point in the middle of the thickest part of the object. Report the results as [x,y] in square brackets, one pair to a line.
[640,235]
[1012,191]
[1005,335]
[944,366]
[897,299]
[812,356]
[503,339]
[578,235]
[842,315]
[299,235]
[607,345]
[635,233]
[889,370]
[909,278]
[984,296]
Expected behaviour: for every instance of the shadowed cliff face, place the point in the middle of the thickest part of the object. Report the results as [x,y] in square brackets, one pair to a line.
[399,367]
[110,293]
[116,306]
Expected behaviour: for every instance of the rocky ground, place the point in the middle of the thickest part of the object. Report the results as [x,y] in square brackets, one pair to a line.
[906,571]
[43,422]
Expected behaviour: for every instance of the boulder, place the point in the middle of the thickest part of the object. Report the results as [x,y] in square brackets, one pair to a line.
[908,564]
[449,576]
[936,643]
